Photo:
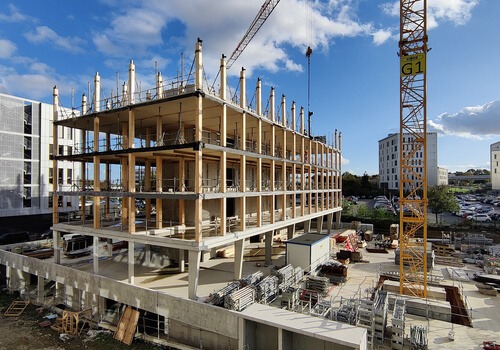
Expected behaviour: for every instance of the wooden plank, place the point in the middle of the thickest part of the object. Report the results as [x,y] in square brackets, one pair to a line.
[126,327]
[120,330]
[128,337]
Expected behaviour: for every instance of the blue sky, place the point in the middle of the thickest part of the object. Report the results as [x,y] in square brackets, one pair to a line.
[354,66]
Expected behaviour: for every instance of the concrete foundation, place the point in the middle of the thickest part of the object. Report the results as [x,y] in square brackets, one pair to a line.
[192,323]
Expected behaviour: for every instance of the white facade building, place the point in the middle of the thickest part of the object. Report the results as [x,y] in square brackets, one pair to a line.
[25,166]
[495,166]
[389,162]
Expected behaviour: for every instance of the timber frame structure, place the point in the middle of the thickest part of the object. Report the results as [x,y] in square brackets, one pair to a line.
[216,171]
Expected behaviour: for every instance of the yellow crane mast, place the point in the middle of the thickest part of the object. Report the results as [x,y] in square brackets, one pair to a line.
[412,148]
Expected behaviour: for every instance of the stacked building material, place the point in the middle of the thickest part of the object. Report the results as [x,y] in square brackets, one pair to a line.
[252,279]
[334,270]
[347,312]
[418,338]
[299,274]
[267,289]
[318,284]
[365,318]
[398,324]
[240,299]
[217,298]
[286,277]
[380,307]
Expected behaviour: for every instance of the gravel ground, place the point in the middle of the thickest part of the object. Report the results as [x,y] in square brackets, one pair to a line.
[24,333]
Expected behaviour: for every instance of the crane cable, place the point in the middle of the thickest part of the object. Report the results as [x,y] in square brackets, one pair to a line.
[308,55]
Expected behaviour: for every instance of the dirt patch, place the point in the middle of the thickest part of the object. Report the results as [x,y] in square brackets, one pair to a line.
[24,333]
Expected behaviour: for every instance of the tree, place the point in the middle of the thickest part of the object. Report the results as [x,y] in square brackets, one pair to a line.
[441,200]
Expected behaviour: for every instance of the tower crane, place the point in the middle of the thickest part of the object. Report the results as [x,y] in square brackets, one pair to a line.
[412,148]
[264,12]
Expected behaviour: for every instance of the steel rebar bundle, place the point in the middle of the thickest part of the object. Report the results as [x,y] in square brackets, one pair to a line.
[217,298]
[267,289]
[253,279]
[286,277]
[240,299]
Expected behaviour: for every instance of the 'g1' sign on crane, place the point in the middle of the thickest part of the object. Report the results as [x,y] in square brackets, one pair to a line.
[413,64]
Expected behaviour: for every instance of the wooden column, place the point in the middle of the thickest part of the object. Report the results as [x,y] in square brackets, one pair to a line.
[131,171]
[97,177]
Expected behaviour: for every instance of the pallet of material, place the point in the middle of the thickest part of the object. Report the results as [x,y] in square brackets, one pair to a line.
[486,289]
[318,284]
[377,250]
[443,250]
[449,261]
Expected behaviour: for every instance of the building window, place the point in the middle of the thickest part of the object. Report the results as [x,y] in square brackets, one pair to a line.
[61,150]
[51,203]
[51,176]
[68,203]
[69,177]
[27,147]
[27,197]
[51,149]
[60,176]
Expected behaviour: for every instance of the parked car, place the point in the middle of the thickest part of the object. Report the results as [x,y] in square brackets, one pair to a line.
[479,217]
[495,216]
[48,234]
[14,237]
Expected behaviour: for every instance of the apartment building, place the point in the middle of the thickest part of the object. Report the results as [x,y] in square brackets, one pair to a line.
[389,162]
[211,169]
[26,141]
[495,167]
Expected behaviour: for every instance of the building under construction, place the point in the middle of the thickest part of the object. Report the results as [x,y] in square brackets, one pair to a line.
[215,170]
[182,171]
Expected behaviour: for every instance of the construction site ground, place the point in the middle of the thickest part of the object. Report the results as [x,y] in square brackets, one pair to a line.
[24,332]
[362,277]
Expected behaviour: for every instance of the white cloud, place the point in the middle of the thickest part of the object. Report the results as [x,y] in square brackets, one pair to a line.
[7,48]
[381,36]
[476,122]
[222,24]
[44,34]
[14,15]
[455,11]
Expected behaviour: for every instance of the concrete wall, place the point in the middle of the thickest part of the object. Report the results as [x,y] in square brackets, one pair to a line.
[189,322]
[218,326]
